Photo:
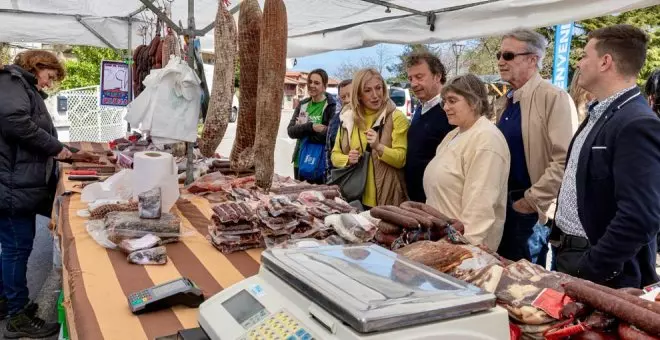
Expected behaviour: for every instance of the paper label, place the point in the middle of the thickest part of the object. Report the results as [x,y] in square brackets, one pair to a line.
[551,302]
[257,290]
[651,295]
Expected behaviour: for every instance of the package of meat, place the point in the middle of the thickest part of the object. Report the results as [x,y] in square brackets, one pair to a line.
[150,203]
[156,255]
[352,227]
[310,197]
[233,212]
[122,225]
[281,205]
[145,242]
[441,256]
[272,241]
[211,182]
[96,229]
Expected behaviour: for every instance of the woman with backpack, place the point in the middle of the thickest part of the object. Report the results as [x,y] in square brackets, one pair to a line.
[309,125]
[374,132]
[28,178]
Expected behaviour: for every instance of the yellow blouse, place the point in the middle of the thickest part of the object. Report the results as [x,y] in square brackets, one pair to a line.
[394,156]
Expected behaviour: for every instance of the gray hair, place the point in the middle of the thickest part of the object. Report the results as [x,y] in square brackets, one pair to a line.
[536,43]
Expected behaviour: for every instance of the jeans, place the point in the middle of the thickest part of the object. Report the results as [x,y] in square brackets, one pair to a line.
[524,237]
[16,238]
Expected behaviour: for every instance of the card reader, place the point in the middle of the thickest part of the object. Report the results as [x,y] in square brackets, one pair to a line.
[181,291]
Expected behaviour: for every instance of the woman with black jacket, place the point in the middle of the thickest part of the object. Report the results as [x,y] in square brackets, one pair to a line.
[28,148]
[310,120]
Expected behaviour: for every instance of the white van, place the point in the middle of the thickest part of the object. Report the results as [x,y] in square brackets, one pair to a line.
[401,97]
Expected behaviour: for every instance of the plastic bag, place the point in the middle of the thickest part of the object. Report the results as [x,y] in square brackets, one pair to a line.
[125,225]
[96,229]
[117,187]
[156,255]
[353,228]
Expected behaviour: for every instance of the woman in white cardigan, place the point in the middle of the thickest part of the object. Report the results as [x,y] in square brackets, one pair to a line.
[467,178]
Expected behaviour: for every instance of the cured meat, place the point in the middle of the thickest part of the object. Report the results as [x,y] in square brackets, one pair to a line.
[627,332]
[99,213]
[388,228]
[641,317]
[442,256]
[170,47]
[217,117]
[249,30]
[272,68]
[150,203]
[156,255]
[626,296]
[422,220]
[394,218]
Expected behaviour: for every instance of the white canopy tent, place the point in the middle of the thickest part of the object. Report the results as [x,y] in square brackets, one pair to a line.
[315,26]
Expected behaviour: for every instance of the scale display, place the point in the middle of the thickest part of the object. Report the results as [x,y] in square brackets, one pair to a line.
[245,309]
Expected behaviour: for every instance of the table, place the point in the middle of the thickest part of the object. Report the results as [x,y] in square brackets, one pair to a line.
[96,280]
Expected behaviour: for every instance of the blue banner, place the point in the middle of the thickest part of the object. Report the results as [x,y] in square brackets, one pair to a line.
[563,37]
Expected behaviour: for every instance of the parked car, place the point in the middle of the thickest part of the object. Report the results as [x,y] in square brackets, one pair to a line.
[401,97]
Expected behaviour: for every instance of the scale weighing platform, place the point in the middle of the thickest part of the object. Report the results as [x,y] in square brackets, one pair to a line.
[350,292]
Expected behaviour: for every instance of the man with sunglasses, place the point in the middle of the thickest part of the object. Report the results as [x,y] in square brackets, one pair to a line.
[538,121]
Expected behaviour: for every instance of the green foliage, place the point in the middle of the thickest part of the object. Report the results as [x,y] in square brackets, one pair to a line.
[85,70]
[648,19]
[398,69]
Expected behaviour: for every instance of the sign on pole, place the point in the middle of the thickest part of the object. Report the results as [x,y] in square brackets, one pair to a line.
[115,85]
[563,37]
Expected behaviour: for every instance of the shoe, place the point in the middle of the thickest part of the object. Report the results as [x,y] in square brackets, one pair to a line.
[27,325]
[31,308]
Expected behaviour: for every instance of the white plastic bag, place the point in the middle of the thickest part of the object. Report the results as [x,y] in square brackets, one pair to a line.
[117,187]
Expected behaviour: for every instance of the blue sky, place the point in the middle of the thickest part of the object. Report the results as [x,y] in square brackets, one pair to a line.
[330,61]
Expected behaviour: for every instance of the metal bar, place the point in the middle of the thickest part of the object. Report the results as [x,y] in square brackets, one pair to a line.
[20,11]
[163,17]
[390,5]
[206,29]
[137,11]
[97,34]
[129,53]
[191,62]
[344,27]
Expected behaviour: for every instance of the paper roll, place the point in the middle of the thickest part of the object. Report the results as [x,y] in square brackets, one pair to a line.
[153,169]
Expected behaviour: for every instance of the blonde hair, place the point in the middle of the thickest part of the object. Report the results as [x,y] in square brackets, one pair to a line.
[360,79]
[580,96]
[472,89]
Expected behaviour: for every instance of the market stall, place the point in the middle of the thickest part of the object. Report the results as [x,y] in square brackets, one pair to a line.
[97,280]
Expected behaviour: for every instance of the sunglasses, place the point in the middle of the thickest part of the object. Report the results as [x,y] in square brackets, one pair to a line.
[508,56]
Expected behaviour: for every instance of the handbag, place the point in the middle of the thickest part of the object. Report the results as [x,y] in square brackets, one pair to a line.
[352,179]
[311,159]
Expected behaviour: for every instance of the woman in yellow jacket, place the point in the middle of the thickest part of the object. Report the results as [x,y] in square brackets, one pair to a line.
[373,120]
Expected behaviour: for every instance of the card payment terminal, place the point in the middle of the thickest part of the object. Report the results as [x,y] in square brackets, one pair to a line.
[177,292]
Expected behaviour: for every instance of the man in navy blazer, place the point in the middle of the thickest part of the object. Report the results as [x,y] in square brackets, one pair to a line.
[608,210]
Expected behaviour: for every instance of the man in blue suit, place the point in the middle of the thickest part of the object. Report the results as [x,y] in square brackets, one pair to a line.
[608,212]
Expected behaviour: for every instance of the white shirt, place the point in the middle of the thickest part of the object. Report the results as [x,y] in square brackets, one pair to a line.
[431,103]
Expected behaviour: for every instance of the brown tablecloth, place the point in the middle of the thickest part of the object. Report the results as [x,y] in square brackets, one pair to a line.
[96,280]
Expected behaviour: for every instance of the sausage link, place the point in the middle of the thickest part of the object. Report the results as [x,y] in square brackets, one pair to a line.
[394,218]
[437,222]
[423,220]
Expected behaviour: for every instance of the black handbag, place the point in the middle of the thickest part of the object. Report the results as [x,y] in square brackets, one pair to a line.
[352,179]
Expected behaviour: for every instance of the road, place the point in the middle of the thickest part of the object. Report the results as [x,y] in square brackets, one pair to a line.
[283,148]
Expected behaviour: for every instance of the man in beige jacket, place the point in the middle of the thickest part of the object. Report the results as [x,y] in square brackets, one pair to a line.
[538,121]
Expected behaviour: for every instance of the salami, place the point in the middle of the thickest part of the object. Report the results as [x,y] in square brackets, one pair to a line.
[423,220]
[217,117]
[394,218]
[425,207]
[249,30]
[270,92]
[437,222]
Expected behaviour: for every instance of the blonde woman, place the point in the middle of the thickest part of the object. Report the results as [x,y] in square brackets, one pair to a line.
[581,97]
[373,122]
[467,179]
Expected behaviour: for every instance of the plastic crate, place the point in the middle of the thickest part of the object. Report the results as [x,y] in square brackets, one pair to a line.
[61,318]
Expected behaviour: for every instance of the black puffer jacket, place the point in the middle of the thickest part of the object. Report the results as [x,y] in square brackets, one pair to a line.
[28,143]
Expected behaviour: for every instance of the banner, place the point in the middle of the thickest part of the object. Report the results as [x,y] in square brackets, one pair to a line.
[563,37]
[115,84]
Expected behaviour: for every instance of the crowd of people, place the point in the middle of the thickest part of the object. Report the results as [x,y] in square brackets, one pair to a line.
[538,168]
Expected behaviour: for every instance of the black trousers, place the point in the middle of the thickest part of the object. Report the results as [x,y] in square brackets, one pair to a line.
[570,252]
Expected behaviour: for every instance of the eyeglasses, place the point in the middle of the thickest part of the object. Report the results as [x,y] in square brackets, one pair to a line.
[508,56]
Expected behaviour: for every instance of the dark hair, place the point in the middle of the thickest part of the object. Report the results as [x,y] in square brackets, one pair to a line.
[36,60]
[472,89]
[626,44]
[435,65]
[344,83]
[652,88]
[321,73]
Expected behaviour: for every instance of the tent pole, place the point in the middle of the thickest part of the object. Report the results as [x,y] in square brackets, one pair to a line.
[191,62]
[97,34]
[129,56]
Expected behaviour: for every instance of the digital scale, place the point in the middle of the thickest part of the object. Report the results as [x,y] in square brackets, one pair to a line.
[350,292]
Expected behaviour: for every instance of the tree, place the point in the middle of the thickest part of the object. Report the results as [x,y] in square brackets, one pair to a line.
[5,54]
[382,57]
[347,68]
[85,70]
[483,60]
